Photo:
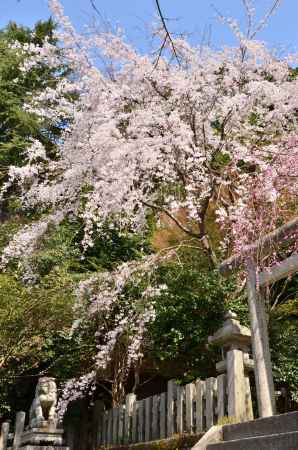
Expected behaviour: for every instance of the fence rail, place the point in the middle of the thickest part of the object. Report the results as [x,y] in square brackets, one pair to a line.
[192,408]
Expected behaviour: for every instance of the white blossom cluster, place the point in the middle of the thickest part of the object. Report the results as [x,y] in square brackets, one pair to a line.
[103,296]
[75,389]
[166,137]
[120,319]
[24,242]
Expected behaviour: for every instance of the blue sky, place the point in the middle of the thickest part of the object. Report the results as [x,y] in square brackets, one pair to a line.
[193,16]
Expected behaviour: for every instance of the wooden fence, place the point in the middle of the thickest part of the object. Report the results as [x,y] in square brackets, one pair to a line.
[14,439]
[192,408]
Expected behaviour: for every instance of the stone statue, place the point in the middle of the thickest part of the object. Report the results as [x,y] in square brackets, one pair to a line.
[43,408]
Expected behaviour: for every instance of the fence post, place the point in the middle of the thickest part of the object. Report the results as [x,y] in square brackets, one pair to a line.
[210,384]
[140,421]
[134,425]
[235,341]
[110,427]
[148,418]
[115,425]
[4,435]
[155,427]
[180,401]
[172,387]
[104,433]
[19,428]
[189,397]
[200,413]
[121,424]
[98,411]
[129,406]
[163,417]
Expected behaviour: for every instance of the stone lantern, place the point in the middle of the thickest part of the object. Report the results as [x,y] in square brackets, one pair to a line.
[235,340]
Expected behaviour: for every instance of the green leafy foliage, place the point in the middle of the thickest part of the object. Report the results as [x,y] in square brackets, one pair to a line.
[113,247]
[284,335]
[189,311]
[30,319]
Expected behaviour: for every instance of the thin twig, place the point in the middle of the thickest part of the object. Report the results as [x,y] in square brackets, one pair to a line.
[160,51]
[93,5]
[247,6]
[279,295]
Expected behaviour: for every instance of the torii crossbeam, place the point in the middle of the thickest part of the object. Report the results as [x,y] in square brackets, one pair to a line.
[258,321]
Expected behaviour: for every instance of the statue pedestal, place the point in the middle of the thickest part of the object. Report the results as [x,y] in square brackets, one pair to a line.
[43,439]
[42,436]
[43,447]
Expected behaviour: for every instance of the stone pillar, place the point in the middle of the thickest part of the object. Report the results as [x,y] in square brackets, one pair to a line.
[19,428]
[248,401]
[260,346]
[235,342]
[236,384]
[4,435]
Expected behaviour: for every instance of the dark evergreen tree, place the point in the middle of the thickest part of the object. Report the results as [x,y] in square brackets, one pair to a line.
[18,126]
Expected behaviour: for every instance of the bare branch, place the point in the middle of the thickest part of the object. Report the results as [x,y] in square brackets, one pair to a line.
[266,17]
[202,237]
[168,36]
[249,16]
[250,33]
[174,219]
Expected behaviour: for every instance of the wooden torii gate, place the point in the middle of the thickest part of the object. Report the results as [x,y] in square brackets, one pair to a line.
[257,312]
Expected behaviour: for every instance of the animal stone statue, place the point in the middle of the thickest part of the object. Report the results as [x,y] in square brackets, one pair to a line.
[43,408]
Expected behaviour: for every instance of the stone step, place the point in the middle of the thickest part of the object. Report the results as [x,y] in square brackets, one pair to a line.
[281,441]
[282,423]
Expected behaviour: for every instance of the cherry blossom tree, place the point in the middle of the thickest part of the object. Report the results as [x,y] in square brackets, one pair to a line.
[268,200]
[213,136]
